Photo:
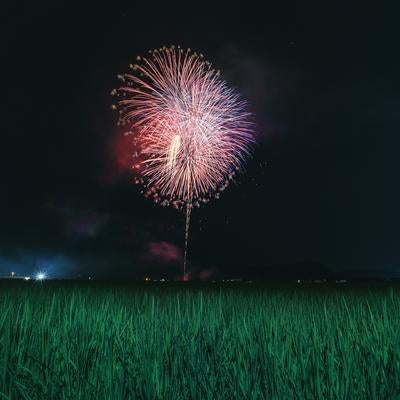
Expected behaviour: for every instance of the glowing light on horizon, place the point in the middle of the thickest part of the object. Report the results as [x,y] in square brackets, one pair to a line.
[40,276]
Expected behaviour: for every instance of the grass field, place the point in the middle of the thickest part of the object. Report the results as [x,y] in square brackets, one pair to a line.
[80,341]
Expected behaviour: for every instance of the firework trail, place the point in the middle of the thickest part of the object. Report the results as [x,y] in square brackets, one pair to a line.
[191,133]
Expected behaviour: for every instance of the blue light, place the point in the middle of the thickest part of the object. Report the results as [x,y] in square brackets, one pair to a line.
[40,276]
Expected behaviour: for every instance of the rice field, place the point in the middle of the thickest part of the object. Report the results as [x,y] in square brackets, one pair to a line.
[80,341]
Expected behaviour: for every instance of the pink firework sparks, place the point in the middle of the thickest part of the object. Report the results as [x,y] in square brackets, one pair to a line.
[191,132]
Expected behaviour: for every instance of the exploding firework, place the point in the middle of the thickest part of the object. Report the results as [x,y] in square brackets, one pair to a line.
[190,132]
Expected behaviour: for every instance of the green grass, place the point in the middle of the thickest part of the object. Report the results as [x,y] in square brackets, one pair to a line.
[64,341]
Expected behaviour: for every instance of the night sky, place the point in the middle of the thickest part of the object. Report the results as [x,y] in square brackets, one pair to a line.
[319,197]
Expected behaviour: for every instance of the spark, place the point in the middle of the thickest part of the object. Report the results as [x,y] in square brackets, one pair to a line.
[173,151]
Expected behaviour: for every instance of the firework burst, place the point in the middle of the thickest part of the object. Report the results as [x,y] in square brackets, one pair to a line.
[191,133]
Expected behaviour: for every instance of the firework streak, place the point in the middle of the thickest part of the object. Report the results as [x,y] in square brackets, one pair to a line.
[191,133]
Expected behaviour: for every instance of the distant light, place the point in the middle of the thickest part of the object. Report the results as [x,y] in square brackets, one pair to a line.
[40,276]
[27,278]
[12,273]
[298,281]
[147,279]
[90,278]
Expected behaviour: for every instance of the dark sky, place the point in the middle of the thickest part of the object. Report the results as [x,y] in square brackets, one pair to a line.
[319,196]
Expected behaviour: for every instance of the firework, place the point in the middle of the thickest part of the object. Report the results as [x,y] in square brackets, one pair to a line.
[191,133]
